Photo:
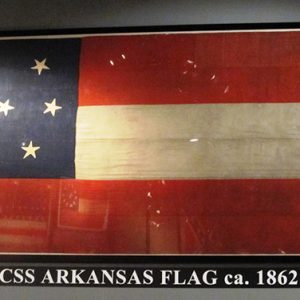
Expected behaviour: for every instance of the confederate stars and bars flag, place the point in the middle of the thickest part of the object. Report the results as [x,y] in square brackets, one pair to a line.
[151,143]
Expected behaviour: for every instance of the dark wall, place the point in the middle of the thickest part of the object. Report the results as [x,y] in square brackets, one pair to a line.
[62,14]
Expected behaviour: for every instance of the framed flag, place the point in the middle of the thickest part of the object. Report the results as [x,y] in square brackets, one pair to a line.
[151,143]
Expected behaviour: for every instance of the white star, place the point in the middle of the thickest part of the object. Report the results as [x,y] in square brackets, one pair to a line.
[40,66]
[5,107]
[52,107]
[30,150]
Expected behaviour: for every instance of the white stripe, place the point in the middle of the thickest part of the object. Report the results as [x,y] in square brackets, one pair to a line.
[31,242]
[22,224]
[188,141]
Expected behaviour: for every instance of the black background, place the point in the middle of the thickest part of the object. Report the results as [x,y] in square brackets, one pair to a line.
[16,15]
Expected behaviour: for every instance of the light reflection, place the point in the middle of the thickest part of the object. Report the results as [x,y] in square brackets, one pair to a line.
[226,89]
[155,224]
[194,140]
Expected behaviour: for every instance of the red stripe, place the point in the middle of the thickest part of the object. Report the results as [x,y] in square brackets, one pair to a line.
[205,216]
[190,68]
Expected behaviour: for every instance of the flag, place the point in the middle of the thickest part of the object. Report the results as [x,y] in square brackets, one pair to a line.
[151,143]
